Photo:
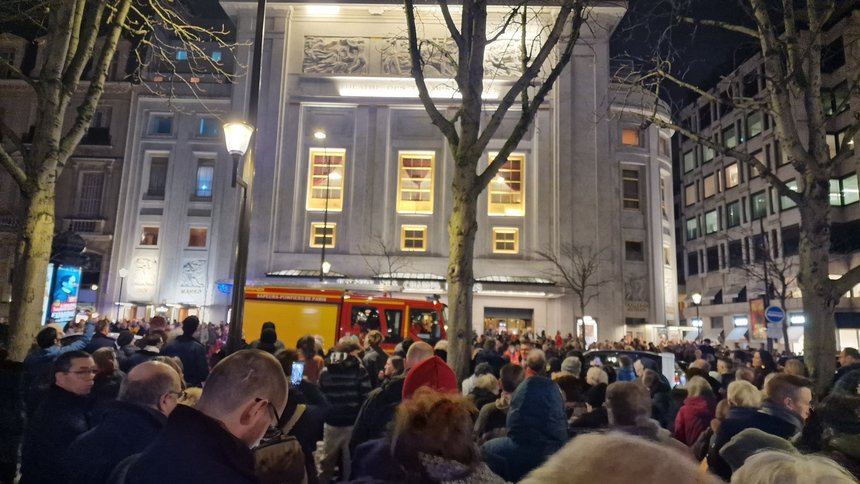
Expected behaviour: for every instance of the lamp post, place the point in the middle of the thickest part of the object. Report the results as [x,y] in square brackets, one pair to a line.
[242,137]
[697,300]
[123,273]
[325,266]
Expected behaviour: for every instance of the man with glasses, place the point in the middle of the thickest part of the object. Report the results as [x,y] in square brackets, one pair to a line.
[243,397]
[63,415]
[147,396]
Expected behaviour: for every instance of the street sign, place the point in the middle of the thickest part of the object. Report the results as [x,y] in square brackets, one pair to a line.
[774,314]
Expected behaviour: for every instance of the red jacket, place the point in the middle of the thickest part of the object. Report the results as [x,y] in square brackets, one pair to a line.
[693,418]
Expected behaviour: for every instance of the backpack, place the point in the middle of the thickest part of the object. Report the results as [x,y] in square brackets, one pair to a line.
[279,458]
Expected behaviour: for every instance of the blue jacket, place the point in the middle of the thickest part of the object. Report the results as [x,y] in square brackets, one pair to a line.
[193,356]
[39,364]
[537,428]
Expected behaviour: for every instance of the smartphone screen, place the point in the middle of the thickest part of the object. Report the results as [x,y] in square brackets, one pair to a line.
[298,371]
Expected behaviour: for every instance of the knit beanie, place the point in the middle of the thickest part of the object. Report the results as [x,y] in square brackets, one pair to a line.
[433,373]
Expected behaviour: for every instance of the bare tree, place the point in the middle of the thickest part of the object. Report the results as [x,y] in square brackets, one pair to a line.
[382,259]
[77,35]
[789,40]
[577,268]
[468,132]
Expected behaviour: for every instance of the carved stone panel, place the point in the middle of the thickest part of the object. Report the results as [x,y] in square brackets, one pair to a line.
[192,279]
[335,55]
[144,276]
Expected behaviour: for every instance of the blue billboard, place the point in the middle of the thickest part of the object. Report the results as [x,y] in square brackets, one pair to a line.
[64,294]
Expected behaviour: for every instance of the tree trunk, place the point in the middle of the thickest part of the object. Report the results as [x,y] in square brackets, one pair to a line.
[818,300]
[28,281]
[462,227]
[582,317]
[784,324]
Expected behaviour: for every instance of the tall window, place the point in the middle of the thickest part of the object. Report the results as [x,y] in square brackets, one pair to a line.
[157,177]
[736,253]
[733,214]
[710,185]
[689,160]
[755,124]
[844,191]
[506,240]
[161,124]
[690,195]
[630,179]
[762,158]
[323,233]
[663,146]
[786,203]
[325,179]
[730,137]
[208,128]
[413,238]
[90,194]
[415,184]
[712,222]
[506,195]
[707,154]
[205,176]
[197,237]
[733,176]
[692,228]
[758,205]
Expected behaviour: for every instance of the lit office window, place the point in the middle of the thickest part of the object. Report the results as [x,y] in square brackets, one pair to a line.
[205,175]
[631,137]
[415,183]
[733,177]
[325,179]
[506,196]
[197,237]
[323,233]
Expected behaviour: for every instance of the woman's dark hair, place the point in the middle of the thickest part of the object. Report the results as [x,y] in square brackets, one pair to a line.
[307,346]
[268,338]
[767,361]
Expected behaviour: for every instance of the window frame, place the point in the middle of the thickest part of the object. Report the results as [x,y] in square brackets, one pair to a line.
[335,204]
[415,206]
[153,123]
[403,238]
[716,214]
[321,225]
[624,196]
[141,234]
[505,209]
[640,139]
[205,238]
[739,206]
[712,179]
[753,197]
[736,170]
[515,231]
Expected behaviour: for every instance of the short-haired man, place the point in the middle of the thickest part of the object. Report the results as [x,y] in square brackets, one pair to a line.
[191,352]
[147,396]
[59,419]
[535,363]
[849,360]
[788,399]
[244,395]
[101,338]
[628,408]
[493,416]
[38,365]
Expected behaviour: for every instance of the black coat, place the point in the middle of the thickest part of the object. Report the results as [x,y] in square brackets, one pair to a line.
[125,430]
[58,421]
[345,384]
[377,412]
[139,356]
[100,341]
[374,361]
[738,420]
[495,360]
[193,448]
[193,356]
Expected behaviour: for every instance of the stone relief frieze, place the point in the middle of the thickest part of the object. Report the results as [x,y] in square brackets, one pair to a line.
[335,55]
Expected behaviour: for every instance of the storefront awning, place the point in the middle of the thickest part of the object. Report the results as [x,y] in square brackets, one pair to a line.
[508,313]
[737,334]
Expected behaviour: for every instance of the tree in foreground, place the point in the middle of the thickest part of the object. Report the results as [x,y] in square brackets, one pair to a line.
[76,36]
[546,34]
[789,38]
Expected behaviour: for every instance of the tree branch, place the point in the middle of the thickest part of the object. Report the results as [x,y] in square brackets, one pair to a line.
[449,22]
[85,43]
[13,137]
[17,72]
[846,282]
[722,25]
[17,173]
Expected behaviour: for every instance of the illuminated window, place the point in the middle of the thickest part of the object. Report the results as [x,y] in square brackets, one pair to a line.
[325,179]
[689,160]
[730,138]
[413,238]
[732,175]
[712,222]
[690,195]
[323,233]
[197,237]
[733,214]
[630,182]
[710,185]
[415,184]
[631,137]
[506,240]
[506,195]
[786,203]
[149,236]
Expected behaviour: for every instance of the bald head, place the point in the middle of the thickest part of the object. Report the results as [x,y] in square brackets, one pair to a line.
[417,353]
[244,375]
[152,384]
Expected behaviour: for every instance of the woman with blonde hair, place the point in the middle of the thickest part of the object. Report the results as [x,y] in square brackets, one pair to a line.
[695,415]
[775,467]
[596,375]
[743,394]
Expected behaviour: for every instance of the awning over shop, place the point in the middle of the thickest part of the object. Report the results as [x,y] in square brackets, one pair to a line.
[737,334]
[848,320]
[508,313]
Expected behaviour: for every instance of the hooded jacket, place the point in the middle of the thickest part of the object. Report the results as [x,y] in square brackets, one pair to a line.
[345,384]
[537,428]
[193,356]
[693,419]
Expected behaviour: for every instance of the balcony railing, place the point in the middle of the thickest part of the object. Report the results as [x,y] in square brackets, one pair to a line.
[84,225]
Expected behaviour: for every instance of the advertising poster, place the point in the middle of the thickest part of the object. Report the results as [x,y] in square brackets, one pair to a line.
[64,293]
[758,325]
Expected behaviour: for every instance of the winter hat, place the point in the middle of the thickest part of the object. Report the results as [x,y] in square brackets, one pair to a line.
[752,441]
[571,364]
[433,373]
[125,337]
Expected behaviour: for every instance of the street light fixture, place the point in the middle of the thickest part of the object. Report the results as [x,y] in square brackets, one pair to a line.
[697,300]
[237,136]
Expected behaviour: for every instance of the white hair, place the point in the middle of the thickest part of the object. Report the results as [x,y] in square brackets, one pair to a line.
[774,467]
[596,375]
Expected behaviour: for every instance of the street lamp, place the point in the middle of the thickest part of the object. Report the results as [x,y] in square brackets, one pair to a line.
[325,266]
[123,273]
[239,142]
[697,300]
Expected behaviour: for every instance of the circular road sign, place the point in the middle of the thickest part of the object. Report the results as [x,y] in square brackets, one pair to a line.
[774,314]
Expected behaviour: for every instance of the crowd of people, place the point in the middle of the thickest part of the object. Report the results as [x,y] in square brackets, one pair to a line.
[165,405]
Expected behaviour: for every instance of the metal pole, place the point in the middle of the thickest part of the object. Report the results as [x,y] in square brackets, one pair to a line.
[325,210]
[765,249]
[121,280]
[234,338]
[699,320]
